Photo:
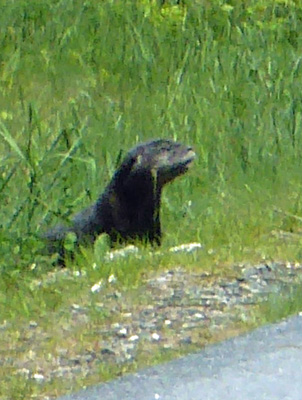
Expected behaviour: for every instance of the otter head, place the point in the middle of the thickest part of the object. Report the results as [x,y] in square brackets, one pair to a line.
[164,158]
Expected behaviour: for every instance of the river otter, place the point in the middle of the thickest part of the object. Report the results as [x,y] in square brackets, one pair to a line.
[130,204]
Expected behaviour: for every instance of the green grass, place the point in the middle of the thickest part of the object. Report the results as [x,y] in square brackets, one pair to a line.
[82,81]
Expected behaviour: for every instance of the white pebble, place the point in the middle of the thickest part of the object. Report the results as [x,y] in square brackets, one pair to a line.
[186,248]
[39,377]
[155,336]
[133,338]
[122,332]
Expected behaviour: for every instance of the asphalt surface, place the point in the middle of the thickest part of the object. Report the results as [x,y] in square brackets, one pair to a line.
[264,364]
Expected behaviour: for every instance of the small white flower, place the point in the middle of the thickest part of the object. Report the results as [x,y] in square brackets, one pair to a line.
[79,273]
[96,287]
[111,279]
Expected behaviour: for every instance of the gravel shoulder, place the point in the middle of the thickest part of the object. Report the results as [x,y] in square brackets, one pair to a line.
[259,365]
[171,311]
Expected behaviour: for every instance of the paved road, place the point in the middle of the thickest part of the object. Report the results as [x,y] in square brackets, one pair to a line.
[265,365]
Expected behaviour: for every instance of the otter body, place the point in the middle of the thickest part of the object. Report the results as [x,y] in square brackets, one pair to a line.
[130,204]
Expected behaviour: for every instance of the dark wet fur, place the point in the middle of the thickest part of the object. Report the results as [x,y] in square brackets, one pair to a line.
[130,205]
